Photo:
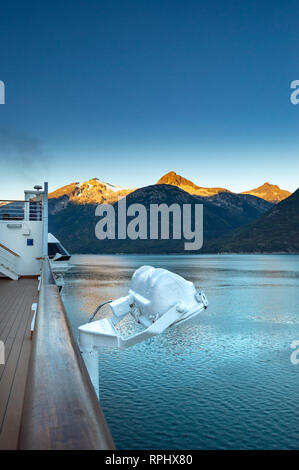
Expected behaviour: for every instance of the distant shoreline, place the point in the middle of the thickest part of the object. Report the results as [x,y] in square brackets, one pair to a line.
[189,254]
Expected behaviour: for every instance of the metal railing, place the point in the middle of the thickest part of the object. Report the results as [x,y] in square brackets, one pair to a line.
[20,210]
[61,409]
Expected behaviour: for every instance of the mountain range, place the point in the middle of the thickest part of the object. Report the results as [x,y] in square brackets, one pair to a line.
[277,230]
[96,191]
[93,191]
[74,225]
[229,218]
[269,192]
[176,180]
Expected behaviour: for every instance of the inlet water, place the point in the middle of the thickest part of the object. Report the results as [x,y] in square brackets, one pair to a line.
[223,381]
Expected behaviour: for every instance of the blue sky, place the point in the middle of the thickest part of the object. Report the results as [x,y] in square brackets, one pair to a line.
[129,90]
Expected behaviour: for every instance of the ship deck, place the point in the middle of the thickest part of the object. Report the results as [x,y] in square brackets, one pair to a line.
[16,298]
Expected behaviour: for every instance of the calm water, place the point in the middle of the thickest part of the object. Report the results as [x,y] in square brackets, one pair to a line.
[223,381]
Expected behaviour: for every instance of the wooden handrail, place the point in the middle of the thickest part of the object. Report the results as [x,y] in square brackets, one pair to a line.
[61,409]
[9,250]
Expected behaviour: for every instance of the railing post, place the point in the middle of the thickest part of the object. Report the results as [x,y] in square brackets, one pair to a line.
[45,220]
[26,208]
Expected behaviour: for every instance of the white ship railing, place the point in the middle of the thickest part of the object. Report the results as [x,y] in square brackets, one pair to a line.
[8,259]
[20,210]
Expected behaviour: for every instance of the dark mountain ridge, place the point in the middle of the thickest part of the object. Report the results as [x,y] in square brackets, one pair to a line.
[275,231]
[74,224]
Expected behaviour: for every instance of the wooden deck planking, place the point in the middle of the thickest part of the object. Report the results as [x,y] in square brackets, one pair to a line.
[6,306]
[16,298]
[9,304]
[10,314]
[11,321]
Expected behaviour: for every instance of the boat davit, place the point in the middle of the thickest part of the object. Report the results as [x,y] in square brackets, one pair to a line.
[157,299]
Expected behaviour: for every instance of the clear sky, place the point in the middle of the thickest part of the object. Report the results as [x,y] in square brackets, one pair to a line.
[127,90]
